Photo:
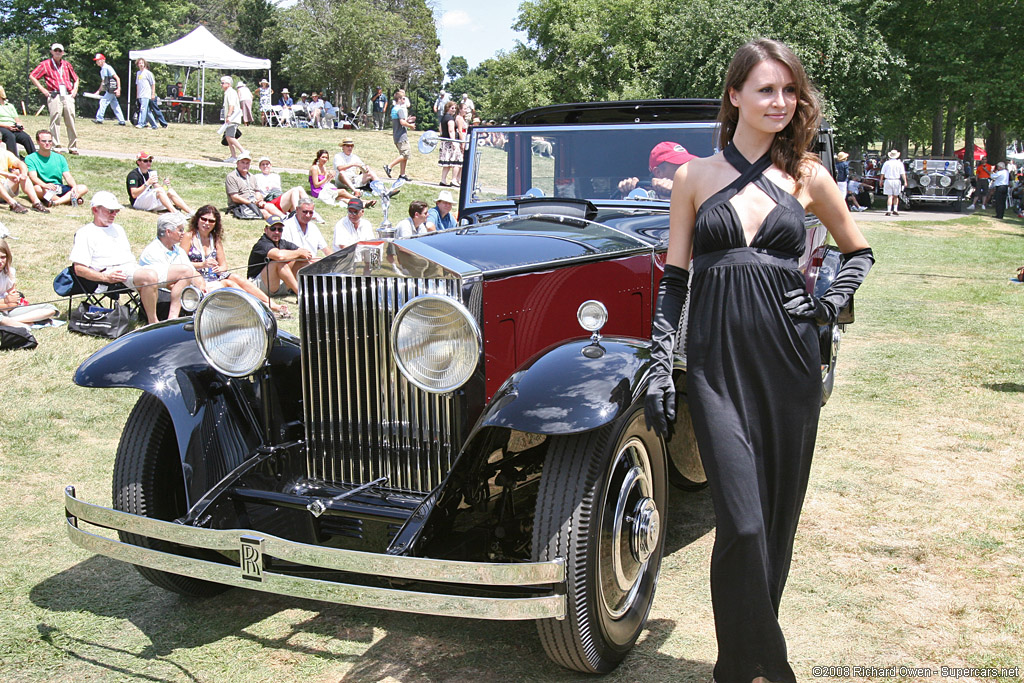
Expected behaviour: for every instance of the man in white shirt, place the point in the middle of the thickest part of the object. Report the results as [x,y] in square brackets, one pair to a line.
[1000,187]
[301,230]
[232,119]
[353,227]
[174,270]
[894,179]
[269,184]
[353,173]
[102,253]
[416,223]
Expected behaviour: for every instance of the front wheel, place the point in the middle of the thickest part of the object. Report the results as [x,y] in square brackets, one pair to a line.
[600,506]
[148,482]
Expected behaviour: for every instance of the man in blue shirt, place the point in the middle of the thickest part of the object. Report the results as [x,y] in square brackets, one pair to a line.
[440,217]
[110,89]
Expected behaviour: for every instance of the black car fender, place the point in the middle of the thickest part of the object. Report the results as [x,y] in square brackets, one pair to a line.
[218,421]
[573,387]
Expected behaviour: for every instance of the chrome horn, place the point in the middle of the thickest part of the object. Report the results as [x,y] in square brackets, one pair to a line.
[429,139]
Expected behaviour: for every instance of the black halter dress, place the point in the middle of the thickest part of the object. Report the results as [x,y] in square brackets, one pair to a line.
[754,388]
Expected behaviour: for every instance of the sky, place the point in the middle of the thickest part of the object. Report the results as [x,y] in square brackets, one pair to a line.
[476,29]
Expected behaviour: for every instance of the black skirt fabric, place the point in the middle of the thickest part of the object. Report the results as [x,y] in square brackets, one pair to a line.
[754,388]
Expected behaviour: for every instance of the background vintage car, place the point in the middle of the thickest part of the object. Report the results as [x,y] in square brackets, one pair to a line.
[935,182]
[457,429]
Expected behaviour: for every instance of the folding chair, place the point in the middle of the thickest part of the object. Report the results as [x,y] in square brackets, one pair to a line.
[93,293]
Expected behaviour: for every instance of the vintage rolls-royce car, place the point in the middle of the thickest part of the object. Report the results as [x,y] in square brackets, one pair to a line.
[457,429]
[935,181]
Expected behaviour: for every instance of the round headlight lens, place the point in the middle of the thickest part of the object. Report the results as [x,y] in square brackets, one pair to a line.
[436,343]
[190,298]
[945,180]
[926,180]
[592,315]
[235,331]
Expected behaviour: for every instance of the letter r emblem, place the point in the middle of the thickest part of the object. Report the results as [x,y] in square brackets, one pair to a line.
[250,558]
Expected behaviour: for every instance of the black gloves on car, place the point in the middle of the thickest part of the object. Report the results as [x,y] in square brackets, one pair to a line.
[660,402]
[825,310]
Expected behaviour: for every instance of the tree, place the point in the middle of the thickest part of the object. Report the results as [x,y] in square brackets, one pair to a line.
[457,68]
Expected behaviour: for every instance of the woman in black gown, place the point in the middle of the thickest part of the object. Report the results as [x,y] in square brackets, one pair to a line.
[753,363]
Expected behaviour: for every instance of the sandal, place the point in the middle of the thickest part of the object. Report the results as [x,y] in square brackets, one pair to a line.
[18,208]
[38,206]
[370,204]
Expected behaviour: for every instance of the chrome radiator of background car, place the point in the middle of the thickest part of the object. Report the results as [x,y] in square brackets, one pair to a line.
[363,419]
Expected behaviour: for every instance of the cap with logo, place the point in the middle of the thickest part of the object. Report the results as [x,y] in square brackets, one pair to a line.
[355,204]
[671,152]
[98,57]
[57,46]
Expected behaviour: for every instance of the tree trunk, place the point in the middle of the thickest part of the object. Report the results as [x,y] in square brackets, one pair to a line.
[950,138]
[969,145]
[937,118]
[995,143]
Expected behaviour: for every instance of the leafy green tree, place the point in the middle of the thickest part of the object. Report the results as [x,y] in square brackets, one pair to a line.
[457,68]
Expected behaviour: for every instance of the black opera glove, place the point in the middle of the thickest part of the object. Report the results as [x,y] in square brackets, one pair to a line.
[825,310]
[660,402]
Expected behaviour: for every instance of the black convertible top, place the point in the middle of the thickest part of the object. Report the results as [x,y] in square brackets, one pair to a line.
[626,111]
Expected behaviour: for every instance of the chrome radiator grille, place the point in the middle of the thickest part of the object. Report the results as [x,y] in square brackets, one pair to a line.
[364,420]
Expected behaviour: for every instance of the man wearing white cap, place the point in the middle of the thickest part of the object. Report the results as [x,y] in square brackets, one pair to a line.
[440,217]
[893,172]
[232,119]
[110,89]
[174,270]
[60,89]
[102,253]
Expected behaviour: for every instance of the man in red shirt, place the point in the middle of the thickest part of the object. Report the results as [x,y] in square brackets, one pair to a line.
[60,86]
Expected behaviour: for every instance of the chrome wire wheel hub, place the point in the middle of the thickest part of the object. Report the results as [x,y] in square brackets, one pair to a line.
[630,527]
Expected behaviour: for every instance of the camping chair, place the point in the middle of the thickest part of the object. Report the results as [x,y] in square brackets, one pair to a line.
[93,293]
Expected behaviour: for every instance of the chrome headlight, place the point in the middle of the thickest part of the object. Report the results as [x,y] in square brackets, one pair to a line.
[945,180]
[436,343]
[926,180]
[190,298]
[235,331]
[592,315]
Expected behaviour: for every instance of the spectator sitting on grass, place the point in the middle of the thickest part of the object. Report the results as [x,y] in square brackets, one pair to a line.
[274,261]
[50,174]
[144,191]
[15,311]
[14,178]
[241,188]
[269,183]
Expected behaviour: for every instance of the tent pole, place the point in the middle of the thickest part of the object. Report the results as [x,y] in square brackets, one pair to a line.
[202,108]
[129,102]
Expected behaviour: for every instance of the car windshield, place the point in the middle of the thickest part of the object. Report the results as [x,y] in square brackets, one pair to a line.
[582,162]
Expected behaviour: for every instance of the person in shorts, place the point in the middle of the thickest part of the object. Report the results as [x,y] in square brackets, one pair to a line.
[50,174]
[145,192]
[401,122]
[274,262]
[269,184]
[102,253]
[894,179]
[232,119]
[13,179]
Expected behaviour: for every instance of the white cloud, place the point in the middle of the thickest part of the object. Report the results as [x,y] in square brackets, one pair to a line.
[455,18]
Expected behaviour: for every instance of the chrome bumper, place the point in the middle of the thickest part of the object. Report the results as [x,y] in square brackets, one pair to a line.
[938,199]
[250,572]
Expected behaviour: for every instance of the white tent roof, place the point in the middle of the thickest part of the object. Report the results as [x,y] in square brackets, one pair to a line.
[200,49]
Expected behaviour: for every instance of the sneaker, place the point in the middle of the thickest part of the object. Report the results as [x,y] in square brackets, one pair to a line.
[140,127]
[387,169]
[895,213]
[404,177]
[98,123]
[888,213]
[230,160]
[120,123]
[982,207]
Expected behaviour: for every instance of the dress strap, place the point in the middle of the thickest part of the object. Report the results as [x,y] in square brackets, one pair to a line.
[754,172]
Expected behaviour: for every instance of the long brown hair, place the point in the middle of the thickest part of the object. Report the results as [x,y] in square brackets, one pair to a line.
[218,228]
[6,249]
[791,147]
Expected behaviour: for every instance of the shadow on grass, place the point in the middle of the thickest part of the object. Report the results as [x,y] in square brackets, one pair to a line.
[413,647]
[1007,387]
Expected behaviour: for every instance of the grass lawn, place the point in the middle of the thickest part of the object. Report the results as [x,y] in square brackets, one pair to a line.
[909,551]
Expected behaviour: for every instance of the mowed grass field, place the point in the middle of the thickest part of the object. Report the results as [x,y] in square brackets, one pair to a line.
[909,551]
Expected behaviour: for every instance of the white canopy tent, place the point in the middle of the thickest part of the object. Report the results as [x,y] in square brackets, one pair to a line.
[199,50]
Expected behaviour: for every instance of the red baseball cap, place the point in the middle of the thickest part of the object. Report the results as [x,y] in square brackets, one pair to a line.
[672,152]
[142,156]
[98,57]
